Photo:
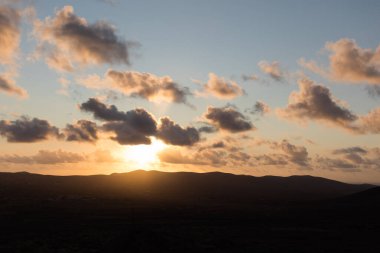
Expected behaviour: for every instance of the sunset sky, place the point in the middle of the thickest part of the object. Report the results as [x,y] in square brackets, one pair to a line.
[245,87]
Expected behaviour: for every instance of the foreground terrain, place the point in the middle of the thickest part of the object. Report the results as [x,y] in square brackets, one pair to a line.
[155,211]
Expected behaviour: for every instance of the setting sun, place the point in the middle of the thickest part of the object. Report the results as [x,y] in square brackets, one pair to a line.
[143,155]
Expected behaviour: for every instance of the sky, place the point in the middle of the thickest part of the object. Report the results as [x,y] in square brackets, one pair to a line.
[246,87]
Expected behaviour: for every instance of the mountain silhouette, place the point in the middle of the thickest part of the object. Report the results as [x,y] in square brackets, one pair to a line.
[152,211]
[185,187]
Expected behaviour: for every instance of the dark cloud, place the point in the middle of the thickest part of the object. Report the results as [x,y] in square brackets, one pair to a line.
[102,111]
[219,144]
[290,153]
[82,131]
[137,126]
[134,129]
[8,86]
[351,159]
[27,130]
[260,108]
[174,134]
[239,158]
[143,85]
[336,163]
[131,128]
[349,63]
[207,129]
[297,154]
[221,88]
[228,144]
[350,150]
[66,40]
[228,118]
[126,134]
[315,102]
[356,155]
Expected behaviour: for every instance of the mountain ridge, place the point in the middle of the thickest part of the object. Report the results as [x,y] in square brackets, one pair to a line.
[188,187]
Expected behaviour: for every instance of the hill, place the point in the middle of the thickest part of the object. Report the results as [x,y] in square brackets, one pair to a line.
[186,187]
[151,211]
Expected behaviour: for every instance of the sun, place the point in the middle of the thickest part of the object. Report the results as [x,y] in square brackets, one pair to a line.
[142,156]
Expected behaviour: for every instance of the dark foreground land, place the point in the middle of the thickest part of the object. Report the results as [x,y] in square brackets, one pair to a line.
[170,212]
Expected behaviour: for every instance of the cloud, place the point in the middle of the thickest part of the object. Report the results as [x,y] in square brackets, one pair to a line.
[67,40]
[207,129]
[129,133]
[290,153]
[370,123]
[350,150]
[272,69]
[219,144]
[131,128]
[9,47]
[137,126]
[102,111]
[7,85]
[60,157]
[297,154]
[228,118]
[82,131]
[351,159]
[349,63]
[205,157]
[271,159]
[336,163]
[136,84]
[27,130]
[103,156]
[315,102]
[249,77]
[260,108]
[373,91]
[10,34]
[221,88]
[174,134]
[175,156]
[44,157]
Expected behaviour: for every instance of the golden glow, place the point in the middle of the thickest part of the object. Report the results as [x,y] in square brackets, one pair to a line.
[142,156]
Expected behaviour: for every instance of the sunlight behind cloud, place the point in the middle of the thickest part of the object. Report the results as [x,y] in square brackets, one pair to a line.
[143,156]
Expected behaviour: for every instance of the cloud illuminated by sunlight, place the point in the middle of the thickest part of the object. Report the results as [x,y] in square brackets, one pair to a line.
[143,156]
